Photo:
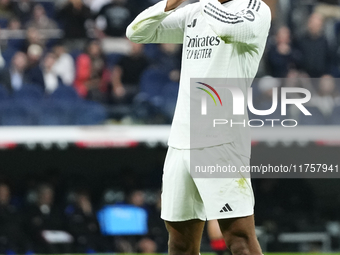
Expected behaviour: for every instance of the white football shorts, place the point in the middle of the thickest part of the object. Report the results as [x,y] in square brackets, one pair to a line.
[185,198]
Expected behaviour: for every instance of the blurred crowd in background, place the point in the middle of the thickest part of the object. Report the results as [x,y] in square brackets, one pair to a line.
[67,53]
[55,213]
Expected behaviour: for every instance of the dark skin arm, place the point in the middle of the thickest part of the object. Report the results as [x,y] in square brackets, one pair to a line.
[173,4]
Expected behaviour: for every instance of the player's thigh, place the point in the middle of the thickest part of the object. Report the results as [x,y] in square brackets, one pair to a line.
[234,229]
[181,200]
[185,235]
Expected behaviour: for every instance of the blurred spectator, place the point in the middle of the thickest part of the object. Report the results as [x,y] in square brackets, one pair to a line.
[12,238]
[13,78]
[24,10]
[6,9]
[113,18]
[33,36]
[328,8]
[296,79]
[266,86]
[126,75]
[64,65]
[33,74]
[146,246]
[157,230]
[328,96]
[14,24]
[83,224]
[316,55]
[40,20]
[265,100]
[280,56]
[137,198]
[90,67]
[169,60]
[73,17]
[41,218]
[51,78]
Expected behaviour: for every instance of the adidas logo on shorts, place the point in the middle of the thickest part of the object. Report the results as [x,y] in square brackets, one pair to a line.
[226,208]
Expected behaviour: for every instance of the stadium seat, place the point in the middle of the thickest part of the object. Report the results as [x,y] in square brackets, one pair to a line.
[3,93]
[335,118]
[65,93]
[8,54]
[17,113]
[89,113]
[317,117]
[16,44]
[3,23]
[152,82]
[53,113]
[29,92]
[169,95]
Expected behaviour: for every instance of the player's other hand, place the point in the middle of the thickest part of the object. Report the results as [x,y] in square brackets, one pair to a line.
[173,4]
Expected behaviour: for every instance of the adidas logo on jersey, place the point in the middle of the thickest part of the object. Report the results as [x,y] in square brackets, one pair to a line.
[226,208]
[193,23]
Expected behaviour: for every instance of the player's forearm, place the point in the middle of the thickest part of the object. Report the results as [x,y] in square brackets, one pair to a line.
[144,28]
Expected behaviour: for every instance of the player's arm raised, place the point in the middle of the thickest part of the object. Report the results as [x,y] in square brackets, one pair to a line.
[160,23]
[251,20]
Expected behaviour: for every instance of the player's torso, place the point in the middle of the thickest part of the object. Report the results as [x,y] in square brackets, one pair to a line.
[205,54]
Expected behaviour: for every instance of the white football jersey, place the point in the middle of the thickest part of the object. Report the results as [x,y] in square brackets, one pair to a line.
[219,41]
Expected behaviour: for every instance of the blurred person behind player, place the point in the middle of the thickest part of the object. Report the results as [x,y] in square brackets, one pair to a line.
[126,75]
[316,59]
[90,67]
[64,65]
[42,216]
[82,223]
[235,32]
[13,78]
[40,20]
[12,238]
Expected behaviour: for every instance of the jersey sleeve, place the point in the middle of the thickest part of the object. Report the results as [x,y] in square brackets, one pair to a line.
[252,19]
[154,25]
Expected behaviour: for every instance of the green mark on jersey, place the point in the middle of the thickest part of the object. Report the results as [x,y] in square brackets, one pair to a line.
[147,20]
[242,183]
[241,47]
